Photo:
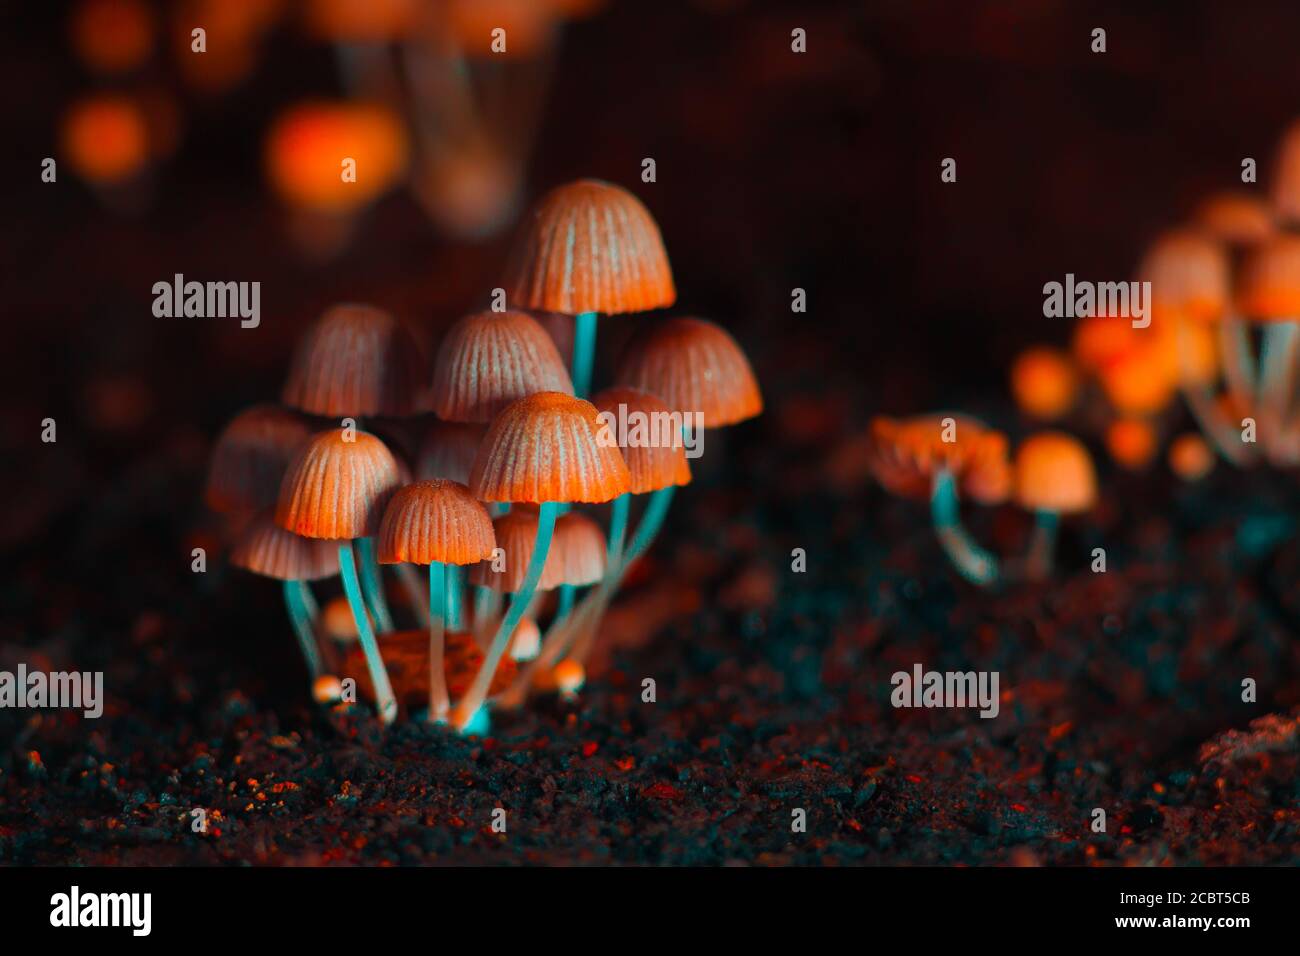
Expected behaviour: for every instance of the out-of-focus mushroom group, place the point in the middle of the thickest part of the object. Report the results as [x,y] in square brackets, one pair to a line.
[494,466]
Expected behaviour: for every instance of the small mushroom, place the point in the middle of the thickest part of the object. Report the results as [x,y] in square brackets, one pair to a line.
[1268,293]
[1044,383]
[1054,476]
[438,523]
[249,459]
[586,248]
[1132,443]
[337,489]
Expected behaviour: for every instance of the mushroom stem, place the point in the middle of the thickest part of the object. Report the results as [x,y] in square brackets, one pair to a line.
[584,352]
[1277,355]
[1042,546]
[296,598]
[487,605]
[384,699]
[464,711]
[455,607]
[618,528]
[438,700]
[564,605]
[1238,367]
[373,585]
[972,562]
[1214,424]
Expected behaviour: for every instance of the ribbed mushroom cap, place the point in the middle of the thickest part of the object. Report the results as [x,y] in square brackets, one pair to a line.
[250,457]
[448,450]
[516,532]
[1237,219]
[579,546]
[548,447]
[1188,272]
[1054,472]
[590,246]
[906,454]
[694,366]
[356,360]
[652,446]
[338,489]
[1269,287]
[267,549]
[1286,183]
[435,521]
[490,359]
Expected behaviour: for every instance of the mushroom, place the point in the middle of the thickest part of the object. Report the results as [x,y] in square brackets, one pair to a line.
[337,489]
[249,459]
[1044,383]
[1236,219]
[589,247]
[358,361]
[488,360]
[438,523]
[1269,293]
[268,550]
[1285,194]
[540,450]
[1054,476]
[935,456]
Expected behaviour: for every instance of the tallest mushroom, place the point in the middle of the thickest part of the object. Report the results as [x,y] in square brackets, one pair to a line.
[589,247]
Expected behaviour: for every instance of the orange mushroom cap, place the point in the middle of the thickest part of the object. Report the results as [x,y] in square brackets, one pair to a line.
[1286,184]
[267,549]
[1140,382]
[1054,472]
[1132,443]
[336,488]
[432,521]
[105,138]
[906,454]
[1044,382]
[113,36]
[356,360]
[695,367]
[1269,287]
[590,246]
[488,360]
[548,447]
[1188,272]
[516,533]
[448,450]
[1100,339]
[580,547]
[1236,219]
[657,456]
[1190,458]
[250,457]
[306,147]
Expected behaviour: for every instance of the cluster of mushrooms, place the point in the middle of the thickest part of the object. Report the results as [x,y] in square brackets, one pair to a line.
[1226,279]
[483,464]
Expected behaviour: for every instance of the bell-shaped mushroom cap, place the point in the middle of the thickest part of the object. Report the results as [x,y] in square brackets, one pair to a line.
[337,488]
[1286,182]
[267,549]
[488,360]
[580,549]
[435,521]
[1054,473]
[590,246]
[516,533]
[1269,287]
[356,360]
[652,444]
[548,447]
[906,454]
[1188,272]
[448,450]
[695,367]
[307,144]
[1236,219]
[250,457]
